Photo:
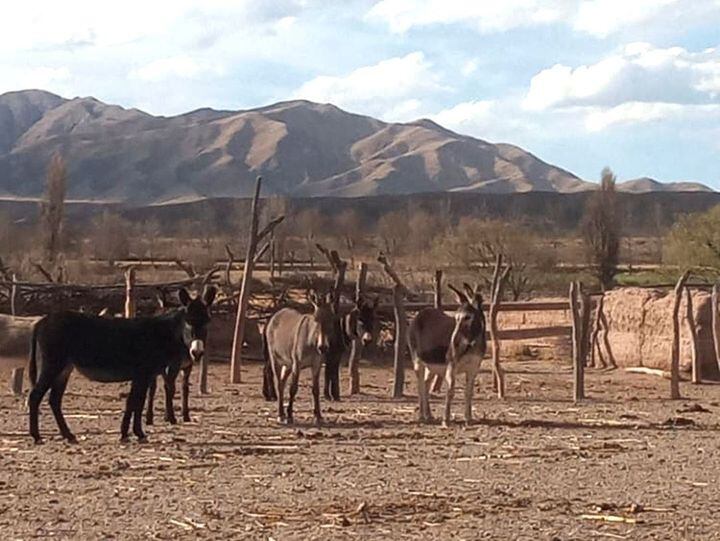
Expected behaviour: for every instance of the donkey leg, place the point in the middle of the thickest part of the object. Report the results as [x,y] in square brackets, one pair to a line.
[316,394]
[294,380]
[170,377]
[186,394]
[424,406]
[57,390]
[138,404]
[150,415]
[269,391]
[36,395]
[469,389]
[499,374]
[131,405]
[281,378]
[450,380]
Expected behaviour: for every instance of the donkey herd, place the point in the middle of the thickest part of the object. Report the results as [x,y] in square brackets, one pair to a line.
[138,350]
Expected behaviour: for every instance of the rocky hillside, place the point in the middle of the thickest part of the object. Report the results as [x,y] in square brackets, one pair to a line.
[302,149]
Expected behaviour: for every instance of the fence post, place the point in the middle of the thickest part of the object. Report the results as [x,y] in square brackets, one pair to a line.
[690,316]
[250,259]
[714,301]
[578,364]
[438,289]
[675,354]
[357,348]
[499,278]
[400,341]
[130,304]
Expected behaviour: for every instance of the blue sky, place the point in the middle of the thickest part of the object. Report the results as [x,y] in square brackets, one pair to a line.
[632,84]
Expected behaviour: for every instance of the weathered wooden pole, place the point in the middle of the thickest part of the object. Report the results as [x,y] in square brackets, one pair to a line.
[272,255]
[675,353]
[596,355]
[400,341]
[130,301]
[714,301]
[252,256]
[399,293]
[578,364]
[690,317]
[438,289]
[357,347]
[585,309]
[239,334]
[16,380]
[14,294]
[498,284]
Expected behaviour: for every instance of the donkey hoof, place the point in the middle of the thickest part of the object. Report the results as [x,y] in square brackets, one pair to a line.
[318,422]
[281,419]
[171,420]
[70,438]
[38,440]
[124,438]
[289,421]
[142,439]
[150,421]
[445,423]
[187,419]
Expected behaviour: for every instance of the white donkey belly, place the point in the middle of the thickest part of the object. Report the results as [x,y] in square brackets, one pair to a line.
[467,363]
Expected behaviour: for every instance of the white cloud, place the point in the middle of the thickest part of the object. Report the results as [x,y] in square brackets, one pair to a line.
[599,18]
[41,77]
[638,73]
[470,67]
[43,24]
[497,121]
[378,88]
[180,67]
[402,15]
[643,112]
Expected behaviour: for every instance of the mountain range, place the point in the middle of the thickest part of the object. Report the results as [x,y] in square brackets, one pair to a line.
[302,149]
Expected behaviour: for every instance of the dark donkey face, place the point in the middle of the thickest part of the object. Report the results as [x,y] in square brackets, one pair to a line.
[361,320]
[325,317]
[197,318]
[469,332]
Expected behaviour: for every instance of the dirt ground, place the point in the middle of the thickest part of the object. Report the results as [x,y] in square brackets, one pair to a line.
[535,466]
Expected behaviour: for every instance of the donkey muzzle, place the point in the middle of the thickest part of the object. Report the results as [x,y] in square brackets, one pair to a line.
[197,349]
[366,338]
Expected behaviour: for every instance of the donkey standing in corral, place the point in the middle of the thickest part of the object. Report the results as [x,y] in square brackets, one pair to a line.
[358,324]
[15,335]
[293,341]
[440,344]
[110,350]
[200,307]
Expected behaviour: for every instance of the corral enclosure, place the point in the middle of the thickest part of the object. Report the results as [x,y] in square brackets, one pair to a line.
[535,466]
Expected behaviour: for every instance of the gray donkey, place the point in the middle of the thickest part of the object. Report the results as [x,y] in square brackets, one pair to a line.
[293,341]
[440,344]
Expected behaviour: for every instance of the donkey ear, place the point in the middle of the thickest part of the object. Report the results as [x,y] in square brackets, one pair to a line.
[312,297]
[478,300]
[462,299]
[469,291]
[209,295]
[184,297]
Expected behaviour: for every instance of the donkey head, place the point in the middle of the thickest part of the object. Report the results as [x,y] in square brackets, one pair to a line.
[197,318]
[360,322]
[324,316]
[469,331]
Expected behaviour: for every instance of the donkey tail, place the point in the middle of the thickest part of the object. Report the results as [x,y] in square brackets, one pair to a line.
[32,362]
[268,389]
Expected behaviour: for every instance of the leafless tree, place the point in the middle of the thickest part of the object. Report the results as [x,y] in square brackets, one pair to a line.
[52,209]
[111,237]
[601,228]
